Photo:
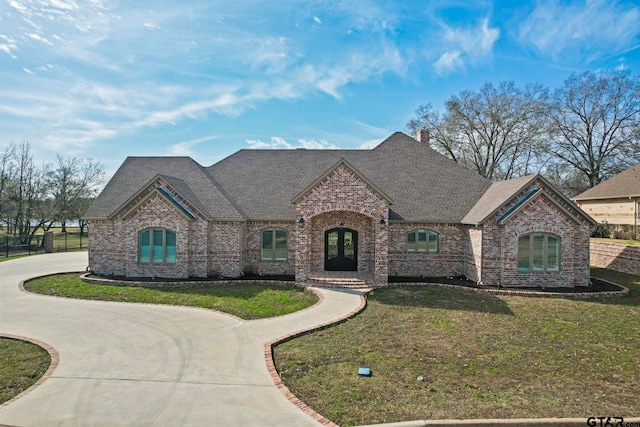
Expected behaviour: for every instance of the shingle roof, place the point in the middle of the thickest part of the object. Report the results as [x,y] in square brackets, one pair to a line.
[424,185]
[182,174]
[625,184]
[498,194]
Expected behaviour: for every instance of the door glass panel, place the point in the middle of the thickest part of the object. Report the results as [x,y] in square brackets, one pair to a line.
[332,245]
[348,245]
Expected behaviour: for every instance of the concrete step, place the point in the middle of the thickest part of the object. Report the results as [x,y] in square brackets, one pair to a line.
[337,282]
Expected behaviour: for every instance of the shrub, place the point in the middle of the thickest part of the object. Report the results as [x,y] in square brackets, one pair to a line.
[601,230]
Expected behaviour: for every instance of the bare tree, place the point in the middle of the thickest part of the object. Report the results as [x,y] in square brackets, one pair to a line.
[594,125]
[71,184]
[25,192]
[7,171]
[496,131]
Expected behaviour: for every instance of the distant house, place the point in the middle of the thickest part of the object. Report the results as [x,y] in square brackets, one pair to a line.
[400,209]
[616,200]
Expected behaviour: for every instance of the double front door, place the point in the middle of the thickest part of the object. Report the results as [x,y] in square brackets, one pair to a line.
[341,250]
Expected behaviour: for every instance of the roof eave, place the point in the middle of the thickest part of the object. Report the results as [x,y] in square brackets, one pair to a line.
[486,217]
[622,196]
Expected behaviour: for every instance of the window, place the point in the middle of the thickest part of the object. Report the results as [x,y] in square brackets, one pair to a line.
[539,252]
[273,245]
[422,241]
[157,246]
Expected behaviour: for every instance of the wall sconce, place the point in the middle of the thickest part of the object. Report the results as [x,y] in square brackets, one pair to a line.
[341,224]
[301,222]
[383,223]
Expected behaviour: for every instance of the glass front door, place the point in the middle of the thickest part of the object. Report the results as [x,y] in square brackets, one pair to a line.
[341,250]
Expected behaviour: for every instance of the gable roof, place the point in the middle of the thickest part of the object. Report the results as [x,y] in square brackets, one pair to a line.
[625,184]
[423,184]
[182,174]
[495,197]
[419,183]
[503,193]
[342,162]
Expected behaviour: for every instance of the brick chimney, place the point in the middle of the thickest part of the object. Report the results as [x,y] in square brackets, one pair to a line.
[423,136]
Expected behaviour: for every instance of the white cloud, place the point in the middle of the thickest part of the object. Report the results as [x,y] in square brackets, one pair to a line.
[372,143]
[277,142]
[448,62]
[466,46]
[317,20]
[40,38]
[312,144]
[185,148]
[581,31]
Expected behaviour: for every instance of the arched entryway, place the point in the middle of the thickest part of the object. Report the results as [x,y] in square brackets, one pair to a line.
[341,249]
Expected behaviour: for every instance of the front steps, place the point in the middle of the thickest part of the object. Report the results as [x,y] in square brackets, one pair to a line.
[340,279]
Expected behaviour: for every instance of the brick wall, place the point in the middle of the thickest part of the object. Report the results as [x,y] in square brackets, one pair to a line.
[615,256]
[448,261]
[473,253]
[342,190]
[500,246]
[113,245]
[224,249]
[251,249]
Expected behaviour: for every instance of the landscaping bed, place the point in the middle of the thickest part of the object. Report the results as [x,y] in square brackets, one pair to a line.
[244,300]
[22,364]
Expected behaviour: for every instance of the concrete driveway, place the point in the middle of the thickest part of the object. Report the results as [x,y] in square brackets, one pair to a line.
[139,365]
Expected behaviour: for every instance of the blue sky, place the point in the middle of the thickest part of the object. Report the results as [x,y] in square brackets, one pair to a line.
[106,79]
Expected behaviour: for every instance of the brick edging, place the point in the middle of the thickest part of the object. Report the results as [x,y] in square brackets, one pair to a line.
[180,283]
[277,380]
[55,361]
[514,292]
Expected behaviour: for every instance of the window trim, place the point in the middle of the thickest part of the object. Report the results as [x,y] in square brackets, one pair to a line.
[167,257]
[557,254]
[416,242]
[273,255]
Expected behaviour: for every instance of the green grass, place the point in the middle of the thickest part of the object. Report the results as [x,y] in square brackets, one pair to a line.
[242,300]
[480,355]
[618,241]
[21,365]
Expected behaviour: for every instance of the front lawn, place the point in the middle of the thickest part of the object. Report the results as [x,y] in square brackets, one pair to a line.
[440,353]
[242,300]
[21,365]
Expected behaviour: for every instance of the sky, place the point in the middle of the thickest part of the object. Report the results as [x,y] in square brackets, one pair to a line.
[106,79]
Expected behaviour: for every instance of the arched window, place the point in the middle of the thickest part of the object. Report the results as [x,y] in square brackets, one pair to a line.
[422,241]
[273,245]
[539,252]
[157,246]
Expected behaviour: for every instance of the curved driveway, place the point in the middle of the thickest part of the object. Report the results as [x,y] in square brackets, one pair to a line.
[140,365]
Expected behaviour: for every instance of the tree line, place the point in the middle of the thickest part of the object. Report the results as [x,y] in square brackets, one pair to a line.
[576,136]
[35,197]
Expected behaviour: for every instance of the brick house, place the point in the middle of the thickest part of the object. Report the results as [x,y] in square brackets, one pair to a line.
[400,209]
